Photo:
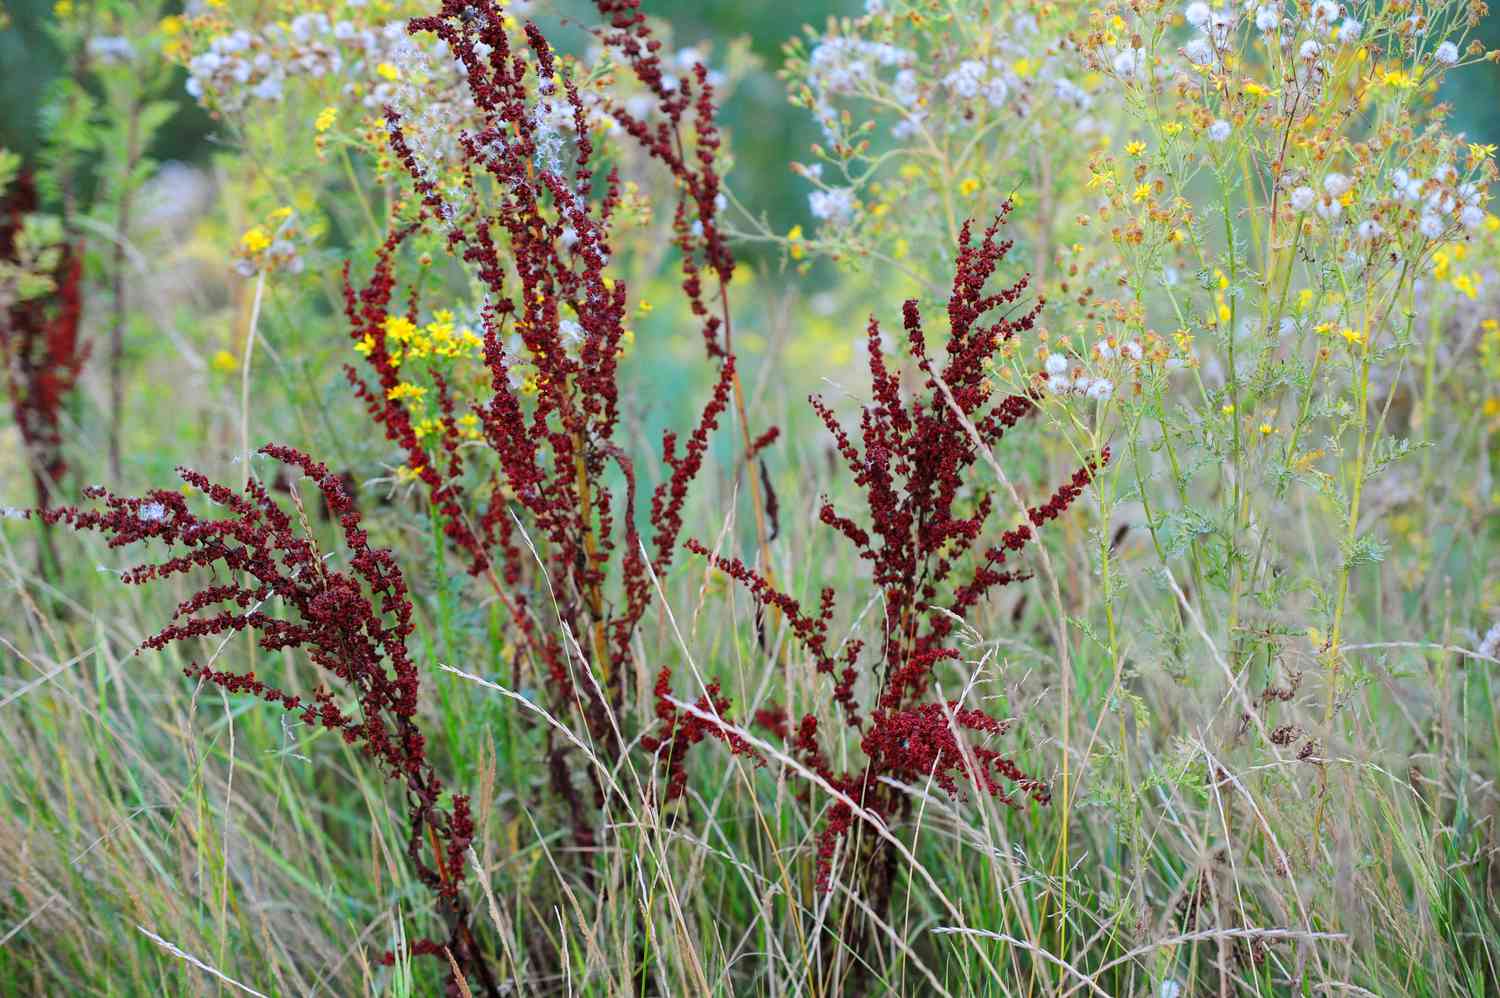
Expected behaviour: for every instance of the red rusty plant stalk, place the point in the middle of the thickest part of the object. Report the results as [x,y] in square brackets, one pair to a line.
[352,624]
[535,227]
[922,529]
[41,351]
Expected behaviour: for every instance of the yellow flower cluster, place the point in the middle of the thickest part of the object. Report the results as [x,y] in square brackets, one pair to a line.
[269,245]
[1466,283]
[441,337]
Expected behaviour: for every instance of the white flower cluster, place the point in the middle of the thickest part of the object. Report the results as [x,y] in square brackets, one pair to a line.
[382,65]
[1328,205]
[1216,30]
[1062,380]
[978,78]
[842,65]
[1215,26]
[835,205]
[1129,62]
[244,66]
[571,334]
[1439,201]
[1489,645]
[110,49]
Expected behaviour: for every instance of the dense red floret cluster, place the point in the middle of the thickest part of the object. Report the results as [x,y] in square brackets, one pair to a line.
[922,535]
[353,625]
[40,347]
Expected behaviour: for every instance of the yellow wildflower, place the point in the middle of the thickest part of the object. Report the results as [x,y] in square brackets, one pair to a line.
[1440,265]
[255,239]
[1141,193]
[1135,148]
[406,390]
[326,118]
[967,187]
[225,362]
[399,328]
[387,71]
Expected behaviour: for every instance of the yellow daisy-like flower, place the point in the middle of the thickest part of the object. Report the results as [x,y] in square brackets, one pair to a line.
[225,362]
[326,118]
[967,187]
[1135,148]
[399,328]
[406,390]
[255,239]
[388,72]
